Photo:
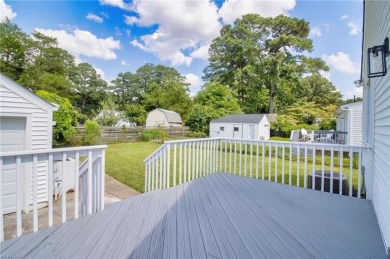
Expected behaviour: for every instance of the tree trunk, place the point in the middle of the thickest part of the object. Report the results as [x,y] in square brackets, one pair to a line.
[271,98]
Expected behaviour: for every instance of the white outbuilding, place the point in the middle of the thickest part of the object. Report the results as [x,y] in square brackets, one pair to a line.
[350,119]
[163,118]
[241,126]
[25,124]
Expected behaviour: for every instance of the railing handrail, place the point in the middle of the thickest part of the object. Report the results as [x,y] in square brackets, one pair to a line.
[51,150]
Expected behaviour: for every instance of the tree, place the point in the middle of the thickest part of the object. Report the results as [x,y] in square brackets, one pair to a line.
[65,118]
[108,113]
[262,55]
[320,90]
[13,45]
[90,87]
[126,88]
[213,101]
[136,113]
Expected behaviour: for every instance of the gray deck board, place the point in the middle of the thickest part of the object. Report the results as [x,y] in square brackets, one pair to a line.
[216,216]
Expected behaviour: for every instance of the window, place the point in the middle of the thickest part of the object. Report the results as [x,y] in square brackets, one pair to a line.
[221,128]
[236,129]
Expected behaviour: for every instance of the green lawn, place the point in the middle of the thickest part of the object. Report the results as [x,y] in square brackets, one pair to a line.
[125,162]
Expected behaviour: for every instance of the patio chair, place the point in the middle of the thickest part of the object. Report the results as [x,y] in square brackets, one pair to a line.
[305,136]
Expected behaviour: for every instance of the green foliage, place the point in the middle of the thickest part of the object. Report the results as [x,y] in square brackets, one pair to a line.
[108,113]
[65,118]
[153,134]
[136,113]
[197,134]
[262,60]
[213,101]
[92,133]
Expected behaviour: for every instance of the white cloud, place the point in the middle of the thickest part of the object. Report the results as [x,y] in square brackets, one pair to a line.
[202,52]
[118,31]
[194,80]
[326,27]
[79,42]
[184,28]
[355,25]
[104,15]
[131,20]
[94,17]
[343,63]
[116,3]
[233,9]
[316,32]
[6,11]
[123,63]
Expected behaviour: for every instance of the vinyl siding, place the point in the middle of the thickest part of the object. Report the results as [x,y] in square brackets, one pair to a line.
[40,135]
[377,27]
[156,118]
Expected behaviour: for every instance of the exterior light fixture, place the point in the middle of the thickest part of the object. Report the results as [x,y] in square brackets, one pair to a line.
[377,59]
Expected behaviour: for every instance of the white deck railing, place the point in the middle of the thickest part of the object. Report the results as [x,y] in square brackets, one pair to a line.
[88,182]
[324,167]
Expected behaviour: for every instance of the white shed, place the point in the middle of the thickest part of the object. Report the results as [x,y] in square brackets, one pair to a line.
[25,124]
[350,120]
[241,126]
[163,118]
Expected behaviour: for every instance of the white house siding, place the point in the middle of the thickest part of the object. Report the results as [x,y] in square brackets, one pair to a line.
[377,127]
[38,132]
[156,118]
[355,130]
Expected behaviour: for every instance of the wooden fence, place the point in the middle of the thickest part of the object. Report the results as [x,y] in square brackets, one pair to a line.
[131,134]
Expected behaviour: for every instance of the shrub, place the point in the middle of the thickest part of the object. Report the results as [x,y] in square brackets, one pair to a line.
[92,133]
[197,134]
[153,134]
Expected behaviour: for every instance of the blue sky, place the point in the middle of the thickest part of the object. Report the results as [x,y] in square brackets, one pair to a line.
[118,36]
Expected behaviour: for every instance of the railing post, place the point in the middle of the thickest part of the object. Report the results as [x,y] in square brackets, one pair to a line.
[76,184]
[63,202]
[35,192]
[19,197]
[168,164]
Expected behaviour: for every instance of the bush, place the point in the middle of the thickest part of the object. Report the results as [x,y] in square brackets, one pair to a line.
[197,134]
[92,133]
[153,134]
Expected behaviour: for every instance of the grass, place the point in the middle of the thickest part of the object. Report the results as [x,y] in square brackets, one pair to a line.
[125,162]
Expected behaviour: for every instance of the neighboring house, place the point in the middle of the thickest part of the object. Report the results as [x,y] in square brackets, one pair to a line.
[122,121]
[241,126]
[25,124]
[163,118]
[376,113]
[350,119]
[271,117]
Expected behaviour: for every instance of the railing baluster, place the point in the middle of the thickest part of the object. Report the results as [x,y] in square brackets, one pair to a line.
[103,179]
[63,201]
[331,169]
[161,173]
[283,158]
[174,164]
[240,158]
[262,161]
[290,166]
[19,195]
[193,159]
[230,156]
[359,172]
[251,159]
[89,188]
[350,170]
[185,163]
[314,168]
[35,192]
[298,165]
[168,166]
[322,169]
[269,161]
[225,143]
[257,160]
[341,157]
[76,187]
[305,169]
[1,202]
[246,157]
[180,163]
[276,162]
[146,176]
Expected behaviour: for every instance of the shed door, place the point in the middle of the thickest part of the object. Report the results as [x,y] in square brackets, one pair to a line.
[12,138]
[251,132]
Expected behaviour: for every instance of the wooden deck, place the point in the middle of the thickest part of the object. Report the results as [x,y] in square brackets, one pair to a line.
[217,216]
